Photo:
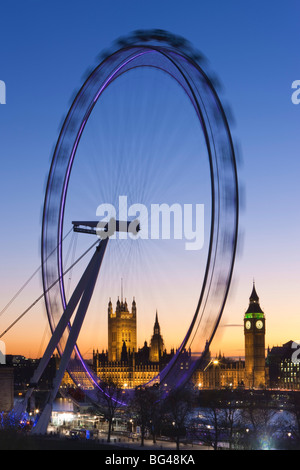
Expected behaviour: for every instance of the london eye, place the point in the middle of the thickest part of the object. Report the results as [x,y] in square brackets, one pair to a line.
[148,124]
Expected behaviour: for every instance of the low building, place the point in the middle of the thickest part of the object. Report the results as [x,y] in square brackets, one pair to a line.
[220,373]
[7,388]
[284,366]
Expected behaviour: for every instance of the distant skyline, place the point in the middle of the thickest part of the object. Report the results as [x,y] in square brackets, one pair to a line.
[253,49]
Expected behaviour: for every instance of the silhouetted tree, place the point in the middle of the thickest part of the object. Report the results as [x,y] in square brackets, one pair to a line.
[291,427]
[210,423]
[111,400]
[154,411]
[139,407]
[257,416]
[177,409]
[231,417]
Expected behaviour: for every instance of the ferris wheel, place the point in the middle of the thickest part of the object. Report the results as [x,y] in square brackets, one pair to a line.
[161,135]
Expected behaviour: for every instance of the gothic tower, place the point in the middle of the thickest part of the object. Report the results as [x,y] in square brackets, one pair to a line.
[255,331]
[157,343]
[121,329]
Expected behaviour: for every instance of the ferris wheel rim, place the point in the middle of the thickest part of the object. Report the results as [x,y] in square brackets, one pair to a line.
[143,50]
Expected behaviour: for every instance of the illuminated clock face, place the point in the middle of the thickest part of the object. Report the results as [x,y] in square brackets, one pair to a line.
[259,324]
[248,325]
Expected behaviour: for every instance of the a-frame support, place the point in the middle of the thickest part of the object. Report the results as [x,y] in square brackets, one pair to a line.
[83,294]
[88,289]
[84,291]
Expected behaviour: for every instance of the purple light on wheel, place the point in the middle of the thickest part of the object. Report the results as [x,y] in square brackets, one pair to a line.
[181,66]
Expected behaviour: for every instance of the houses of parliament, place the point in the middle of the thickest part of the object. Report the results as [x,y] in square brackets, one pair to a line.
[123,363]
[126,365]
[129,366]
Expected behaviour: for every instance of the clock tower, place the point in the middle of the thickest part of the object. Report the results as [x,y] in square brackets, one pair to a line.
[255,331]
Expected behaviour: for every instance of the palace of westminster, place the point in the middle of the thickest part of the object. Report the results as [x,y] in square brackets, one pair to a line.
[126,365]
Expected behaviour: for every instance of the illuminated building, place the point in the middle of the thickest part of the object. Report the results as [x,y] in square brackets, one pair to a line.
[252,373]
[219,373]
[123,363]
[121,329]
[255,331]
[284,366]
[128,366]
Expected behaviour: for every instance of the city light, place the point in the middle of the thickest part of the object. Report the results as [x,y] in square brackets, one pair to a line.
[150,286]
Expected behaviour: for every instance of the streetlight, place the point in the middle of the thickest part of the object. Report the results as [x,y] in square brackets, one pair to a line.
[215,362]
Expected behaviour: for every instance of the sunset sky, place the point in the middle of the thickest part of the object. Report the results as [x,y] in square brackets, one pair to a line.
[253,48]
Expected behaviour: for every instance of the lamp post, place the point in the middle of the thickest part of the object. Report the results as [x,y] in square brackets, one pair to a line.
[214,362]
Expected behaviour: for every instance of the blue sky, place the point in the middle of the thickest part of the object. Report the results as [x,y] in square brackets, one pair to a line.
[253,47]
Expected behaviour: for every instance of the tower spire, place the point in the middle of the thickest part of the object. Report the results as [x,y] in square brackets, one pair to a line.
[156,325]
[254,297]
[157,343]
[254,306]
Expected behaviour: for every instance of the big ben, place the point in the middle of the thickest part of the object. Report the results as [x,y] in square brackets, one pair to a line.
[255,331]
